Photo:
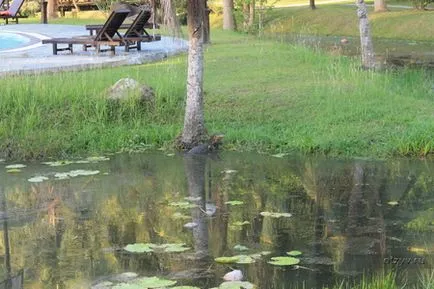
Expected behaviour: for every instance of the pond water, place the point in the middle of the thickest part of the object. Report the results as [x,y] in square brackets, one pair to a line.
[389,52]
[68,226]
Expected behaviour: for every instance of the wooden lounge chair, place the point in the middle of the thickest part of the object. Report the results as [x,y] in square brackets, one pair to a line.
[136,32]
[108,35]
[13,12]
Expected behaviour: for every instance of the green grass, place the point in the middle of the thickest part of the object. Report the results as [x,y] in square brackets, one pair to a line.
[264,95]
[398,23]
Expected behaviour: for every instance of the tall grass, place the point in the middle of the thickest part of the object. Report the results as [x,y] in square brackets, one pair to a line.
[264,95]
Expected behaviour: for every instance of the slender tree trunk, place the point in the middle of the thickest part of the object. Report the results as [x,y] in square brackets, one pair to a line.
[194,124]
[368,56]
[252,13]
[228,15]
[380,6]
[246,14]
[206,26]
[312,4]
[52,9]
[169,17]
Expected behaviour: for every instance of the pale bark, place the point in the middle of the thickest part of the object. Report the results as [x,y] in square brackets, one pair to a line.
[252,13]
[194,127]
[228,15]
[380,6]
[52,9]
[367,48]
[246,11]
[169,17]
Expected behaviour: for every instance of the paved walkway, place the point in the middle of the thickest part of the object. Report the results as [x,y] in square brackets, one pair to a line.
[38,58]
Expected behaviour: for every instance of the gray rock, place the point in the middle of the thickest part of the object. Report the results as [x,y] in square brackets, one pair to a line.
[129,89]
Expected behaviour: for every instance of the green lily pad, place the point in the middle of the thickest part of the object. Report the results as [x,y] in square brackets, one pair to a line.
[239,247]
[265,253]
[393,203]
[146,283]
[275,215]
[294,253]
[226,260]
[15,166]
[234,203]
[75,173]
[238,223]
[184,287]
[58,163]
[37,179]
[170,155]
[245,259]
[138,248]
[236,285]
[97,159]
[284,261]
[183,205]
[11,171]
[176,248]
[281,155]
[229,171]
[180,216]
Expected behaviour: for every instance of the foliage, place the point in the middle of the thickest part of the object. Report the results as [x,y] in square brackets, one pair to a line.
[30,7]
[421,4]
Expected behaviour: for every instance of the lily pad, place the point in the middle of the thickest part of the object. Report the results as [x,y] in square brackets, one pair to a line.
[170,155]
[234,203]
[238,223]
[97,159]
[15,166]
[138,248]
[281,155]
[176,248]
[184,287]
[239,247]
[58,163]
[37,179]
[245,259]
[75,173]
[276,215]
[284,261]
[227,260]
[11,171]
[393,203]
[183,205]
[294,253]
[146,283]
[229,171]
[236,285]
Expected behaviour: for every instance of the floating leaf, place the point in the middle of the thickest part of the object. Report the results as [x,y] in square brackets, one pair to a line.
[245,259]
[146,283]
[275,215]
[58,163]
[176,248]
[393,203]
[226,260]
[281,155]
[184,287]
[75,173]
[138,248]
[284,261]
[238,223]
[97,159]
[294,253]
[239,247]
[234,203]
[180,216]
[236,285]
[183,205]
[229,171]
[170,155]
[15,166]
[265,253]
[13,171]
[38,179]
[418,251]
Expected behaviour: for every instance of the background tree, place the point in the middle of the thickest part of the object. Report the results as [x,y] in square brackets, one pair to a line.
[368,56]
[312,4]
[228,15]
[380,6]
[52,9]
[194,126]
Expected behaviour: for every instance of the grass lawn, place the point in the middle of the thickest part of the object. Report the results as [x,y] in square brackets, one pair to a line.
[264,95]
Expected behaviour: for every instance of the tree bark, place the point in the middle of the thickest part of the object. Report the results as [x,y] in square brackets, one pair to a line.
[367,48]
[228,15]
[252,13]
[194,127]
[52,9]
[312,4]
[246,14]
[380,6]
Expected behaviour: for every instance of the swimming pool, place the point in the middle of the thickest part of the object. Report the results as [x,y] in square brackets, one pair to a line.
[12,40]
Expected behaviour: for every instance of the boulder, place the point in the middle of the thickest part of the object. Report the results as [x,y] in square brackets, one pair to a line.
[127,89]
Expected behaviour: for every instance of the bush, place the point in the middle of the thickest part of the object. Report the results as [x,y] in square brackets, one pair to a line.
[421,4]
[30,7]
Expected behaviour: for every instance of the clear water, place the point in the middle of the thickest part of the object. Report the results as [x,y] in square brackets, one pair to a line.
[349,218]
[11,40]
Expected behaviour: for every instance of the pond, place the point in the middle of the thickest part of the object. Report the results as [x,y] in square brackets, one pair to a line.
[98,222]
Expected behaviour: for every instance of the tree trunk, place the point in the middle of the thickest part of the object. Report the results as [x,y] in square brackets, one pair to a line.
[246,14]
[206,26]
[367,49]
[312,4]
[252,13]
[228,15]
[52,9]
[380,6]
[194,127]
[169,17]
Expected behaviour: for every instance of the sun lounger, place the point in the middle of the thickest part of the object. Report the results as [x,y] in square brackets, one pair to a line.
[13,12]
[108,35]
[136,32]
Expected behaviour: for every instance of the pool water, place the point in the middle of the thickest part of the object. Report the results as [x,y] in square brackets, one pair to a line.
[12,40]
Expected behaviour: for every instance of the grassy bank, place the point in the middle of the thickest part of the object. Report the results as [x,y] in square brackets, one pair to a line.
[263,95]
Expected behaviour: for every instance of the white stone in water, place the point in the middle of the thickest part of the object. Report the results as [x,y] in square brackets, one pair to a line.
[235,275]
